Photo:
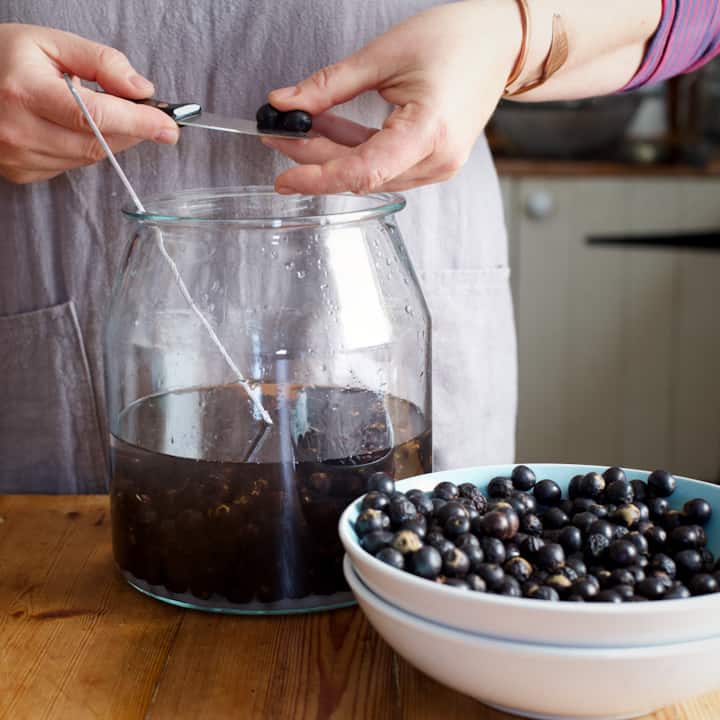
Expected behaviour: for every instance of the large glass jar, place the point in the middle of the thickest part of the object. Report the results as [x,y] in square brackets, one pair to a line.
[308,314]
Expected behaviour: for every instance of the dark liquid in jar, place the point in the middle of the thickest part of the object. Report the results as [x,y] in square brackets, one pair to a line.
[209,510]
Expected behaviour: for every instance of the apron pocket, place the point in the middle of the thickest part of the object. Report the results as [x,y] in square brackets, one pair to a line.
[474,367]
[50,439]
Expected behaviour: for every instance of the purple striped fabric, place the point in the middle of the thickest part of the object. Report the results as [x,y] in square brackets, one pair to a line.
[688,37]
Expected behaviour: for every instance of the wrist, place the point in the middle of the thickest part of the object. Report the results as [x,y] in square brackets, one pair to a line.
[501,23]
[520,46]
[599,41]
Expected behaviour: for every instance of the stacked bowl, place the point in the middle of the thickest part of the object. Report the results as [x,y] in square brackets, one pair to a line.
[544,659]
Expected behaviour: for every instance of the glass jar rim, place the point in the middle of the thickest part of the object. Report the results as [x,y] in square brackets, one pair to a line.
[370,206]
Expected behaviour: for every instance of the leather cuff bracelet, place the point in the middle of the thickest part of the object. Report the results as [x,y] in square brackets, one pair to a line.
[556,58]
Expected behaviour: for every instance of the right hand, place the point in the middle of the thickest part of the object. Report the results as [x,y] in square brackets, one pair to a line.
[42,130]
[444,86]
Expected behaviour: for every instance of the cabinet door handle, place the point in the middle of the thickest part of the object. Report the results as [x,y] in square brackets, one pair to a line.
[686,241]
[539,205]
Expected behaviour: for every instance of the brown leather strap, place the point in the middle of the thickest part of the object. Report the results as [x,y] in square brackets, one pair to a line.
[525,47]
[556,59]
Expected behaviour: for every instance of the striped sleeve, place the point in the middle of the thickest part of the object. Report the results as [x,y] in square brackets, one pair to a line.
[688,37]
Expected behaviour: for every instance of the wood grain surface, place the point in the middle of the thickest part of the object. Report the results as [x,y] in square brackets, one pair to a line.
[77,642]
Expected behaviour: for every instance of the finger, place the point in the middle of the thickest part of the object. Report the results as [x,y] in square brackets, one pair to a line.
[333,84]
[95,153]
[315,151]
[52,140]
[92,61]
[112,115]
[342,130]
[408,137]
[86,150]
[35,168]
[409,181]
[33,165]
[432,170]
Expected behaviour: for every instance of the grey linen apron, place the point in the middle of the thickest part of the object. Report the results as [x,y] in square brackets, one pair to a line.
[61,241]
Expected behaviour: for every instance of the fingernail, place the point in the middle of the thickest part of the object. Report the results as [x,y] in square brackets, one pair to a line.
[141,83]
[286,92]
[284,190]
[167,136]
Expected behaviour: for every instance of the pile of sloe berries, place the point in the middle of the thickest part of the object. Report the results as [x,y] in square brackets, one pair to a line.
[270,118]
[610,540]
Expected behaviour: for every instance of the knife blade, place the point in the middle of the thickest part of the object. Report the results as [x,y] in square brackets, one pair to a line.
[192,115]
[211,121]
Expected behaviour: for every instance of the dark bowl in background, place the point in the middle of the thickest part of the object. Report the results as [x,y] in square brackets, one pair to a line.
[565,129]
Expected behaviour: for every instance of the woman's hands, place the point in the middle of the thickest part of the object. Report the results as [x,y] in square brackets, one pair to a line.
[42,131]
[444,70]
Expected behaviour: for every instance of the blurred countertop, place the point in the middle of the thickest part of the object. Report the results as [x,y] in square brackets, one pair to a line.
[664,156]
[515,167]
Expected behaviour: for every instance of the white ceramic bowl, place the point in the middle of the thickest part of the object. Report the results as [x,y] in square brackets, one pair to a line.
[572,624]
[545,681]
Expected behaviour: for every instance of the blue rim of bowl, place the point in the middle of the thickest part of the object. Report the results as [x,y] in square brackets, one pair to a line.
[648,608]
[640,651]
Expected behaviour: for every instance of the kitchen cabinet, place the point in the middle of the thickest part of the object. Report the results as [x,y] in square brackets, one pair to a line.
[619,344]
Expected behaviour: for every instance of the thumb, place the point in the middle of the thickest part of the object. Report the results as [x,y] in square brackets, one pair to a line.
[93,61]
[331,85]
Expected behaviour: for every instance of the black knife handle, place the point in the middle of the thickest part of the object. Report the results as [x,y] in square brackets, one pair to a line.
[177,111]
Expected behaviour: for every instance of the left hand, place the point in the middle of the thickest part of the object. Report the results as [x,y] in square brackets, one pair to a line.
[444,70]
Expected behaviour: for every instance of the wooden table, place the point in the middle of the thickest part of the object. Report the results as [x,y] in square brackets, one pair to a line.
[76,642]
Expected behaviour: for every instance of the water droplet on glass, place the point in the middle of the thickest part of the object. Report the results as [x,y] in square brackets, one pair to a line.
[274,254]
[301,274]
[388,261]
[289,265]
[323,286]
[408,310]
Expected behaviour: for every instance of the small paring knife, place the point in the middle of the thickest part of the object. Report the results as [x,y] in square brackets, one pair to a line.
[192,115]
